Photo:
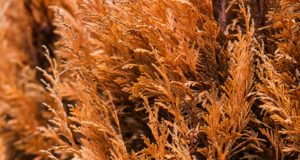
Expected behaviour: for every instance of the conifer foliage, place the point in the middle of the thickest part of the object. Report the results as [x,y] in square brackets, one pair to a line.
[149,79]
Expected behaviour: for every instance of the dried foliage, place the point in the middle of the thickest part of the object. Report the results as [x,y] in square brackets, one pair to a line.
[149,79]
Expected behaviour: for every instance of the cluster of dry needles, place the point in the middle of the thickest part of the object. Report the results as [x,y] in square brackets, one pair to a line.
[149,79]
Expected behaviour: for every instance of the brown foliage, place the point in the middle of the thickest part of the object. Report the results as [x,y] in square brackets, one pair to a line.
[149,79]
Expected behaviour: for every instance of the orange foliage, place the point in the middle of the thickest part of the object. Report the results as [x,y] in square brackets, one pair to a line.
[149,79]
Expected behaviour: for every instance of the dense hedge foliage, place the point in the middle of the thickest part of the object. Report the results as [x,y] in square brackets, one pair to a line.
[149,79]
